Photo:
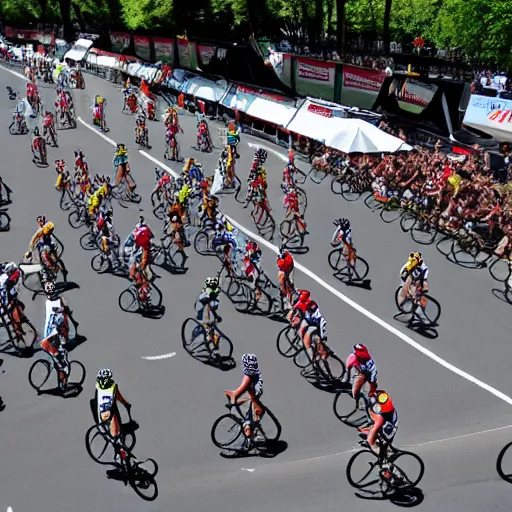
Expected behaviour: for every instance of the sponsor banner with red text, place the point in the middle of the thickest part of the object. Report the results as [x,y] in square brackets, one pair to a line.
[361,86]
[187,53]
[315,78]
[164,50]
[206,53]
[120,41]
[142,47]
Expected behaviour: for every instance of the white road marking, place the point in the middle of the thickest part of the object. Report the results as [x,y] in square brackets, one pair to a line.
[102,135]
[460,437]
[246,469]
[19,75]
[157,358]
[9,509]
[368,314]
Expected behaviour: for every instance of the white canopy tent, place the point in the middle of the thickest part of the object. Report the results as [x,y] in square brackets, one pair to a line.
[328,125]
[358,136]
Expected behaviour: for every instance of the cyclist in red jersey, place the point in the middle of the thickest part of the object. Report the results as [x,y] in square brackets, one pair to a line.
[365,369]
[285,267]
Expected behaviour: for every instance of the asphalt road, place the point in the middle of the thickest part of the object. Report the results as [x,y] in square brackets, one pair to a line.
[450,421]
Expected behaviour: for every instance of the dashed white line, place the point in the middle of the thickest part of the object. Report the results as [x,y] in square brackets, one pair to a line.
[94,130]
[393,330]
[157,358]
[19,75]
[248,470]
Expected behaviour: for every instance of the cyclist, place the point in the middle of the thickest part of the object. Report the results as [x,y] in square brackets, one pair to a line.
[208,301]
[365,369]
[141,238]
[414,274]
[122,167]
[9,278]
[56,331]
[385,420]
[141,132]
[253,270]
[285,266]
[176,228]
[49,125]
[42,241]
[37,143]
[343,235]
[252,384]
[291,203]
[80,163]
[107,394]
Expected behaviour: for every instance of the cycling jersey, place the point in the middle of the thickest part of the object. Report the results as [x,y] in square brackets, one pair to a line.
[256,386]
[285,264]
[417,272]
[54,317]
[317,320]
[106,399]
[367,368]
[342,236]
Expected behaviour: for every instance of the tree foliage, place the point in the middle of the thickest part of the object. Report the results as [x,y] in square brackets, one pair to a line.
[479,28]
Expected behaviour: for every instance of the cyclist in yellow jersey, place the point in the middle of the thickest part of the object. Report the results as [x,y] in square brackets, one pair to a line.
[414,274]
[106,397]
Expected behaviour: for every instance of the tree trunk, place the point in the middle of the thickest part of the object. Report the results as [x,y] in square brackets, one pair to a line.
[330,9]
[340,25]
[65,16]
[319,20]
[79,18]
[387,17]
[43,4]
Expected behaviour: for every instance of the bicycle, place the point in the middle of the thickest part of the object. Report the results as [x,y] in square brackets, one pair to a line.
[102,262]
[104,450]
[348,267]
[228,432]
[41,370]
[168,254]
[20,330]
[421,306]
[206,337]
[366,470]
[144,298]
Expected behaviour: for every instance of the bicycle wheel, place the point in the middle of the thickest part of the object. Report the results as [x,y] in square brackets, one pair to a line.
[269,427]
[359,271]
[88,241]
[141,480]
[407,222]
[299,177]
[336,185]
[288,342]
[317,175]
[100,263]
[363,471]
[202,244]
[444,245]
[99,445]
[336,260]
[500,270]
[58,245]
[407,306]
[347,191]
[504,463]
[391,214]
[178,258]
[287,229]
[76,373]
[430,313]
[5,221]
[156,296]
[332,368]
[193,335]
[422,232]
[160,211]
[228,433]
[25,335]
[39,373]
[349,411]
[406,469]
[76,219]
[13,129]
[224,345]
[129,300]
[302,199]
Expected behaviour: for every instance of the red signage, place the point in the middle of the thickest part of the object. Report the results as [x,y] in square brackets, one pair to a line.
[320,110]
[363,78]
[315,70]
[262,94]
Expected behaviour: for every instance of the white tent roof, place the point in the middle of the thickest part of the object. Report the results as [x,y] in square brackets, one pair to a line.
[346,135]
[358,136]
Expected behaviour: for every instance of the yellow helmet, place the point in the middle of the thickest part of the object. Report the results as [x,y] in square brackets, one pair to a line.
[48,228]
[415,256]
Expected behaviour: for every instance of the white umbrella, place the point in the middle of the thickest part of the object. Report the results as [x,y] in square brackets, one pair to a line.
[358,136]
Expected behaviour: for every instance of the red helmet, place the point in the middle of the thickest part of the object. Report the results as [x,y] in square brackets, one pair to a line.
[304,296]
[312,306]
[361,352]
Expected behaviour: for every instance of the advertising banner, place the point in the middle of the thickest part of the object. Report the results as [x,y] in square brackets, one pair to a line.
[206,53]
[187,54]
[282,64]
[315,78]
[142,47]
[361,86]
[120,41]
[490,115]
[164,50]
[413,95]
